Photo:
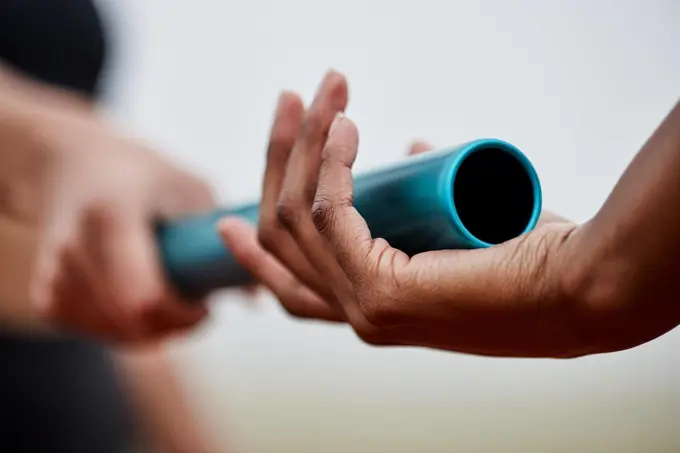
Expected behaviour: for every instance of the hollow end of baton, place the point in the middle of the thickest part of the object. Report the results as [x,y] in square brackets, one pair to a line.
[495,193]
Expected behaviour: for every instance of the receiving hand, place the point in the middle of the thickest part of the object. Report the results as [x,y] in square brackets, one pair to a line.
[321,261]
[242,238]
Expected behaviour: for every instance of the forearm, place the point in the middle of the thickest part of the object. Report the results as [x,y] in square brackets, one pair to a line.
[624,264]
[21,167]
[20,94]
[24,107]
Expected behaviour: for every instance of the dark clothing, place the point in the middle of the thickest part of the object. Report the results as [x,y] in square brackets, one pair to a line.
[58,395]
[57,41]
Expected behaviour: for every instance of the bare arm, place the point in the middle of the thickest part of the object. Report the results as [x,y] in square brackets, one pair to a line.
[163,410]
[627,258]
[561,290]
[21,170]
[166,415]
[90,196]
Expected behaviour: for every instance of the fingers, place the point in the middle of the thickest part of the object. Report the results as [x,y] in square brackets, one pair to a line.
[77,311]
[125,254]
[287,122]
[300,181]
[301,178]
[67,286]
[419,147]
[300,192]
[361,257]
[291,180]
[293,207]
[495,305]
[285,129]
[103,279]
[333,214]
[298,300]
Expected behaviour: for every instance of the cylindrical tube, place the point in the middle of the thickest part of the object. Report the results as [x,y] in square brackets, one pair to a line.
[475,195]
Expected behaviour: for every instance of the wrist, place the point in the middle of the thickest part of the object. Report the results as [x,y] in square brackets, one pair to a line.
[608,296]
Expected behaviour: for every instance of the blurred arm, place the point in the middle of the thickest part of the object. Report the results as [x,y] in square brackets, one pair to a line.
[164,412]
[21,171]
[17,246]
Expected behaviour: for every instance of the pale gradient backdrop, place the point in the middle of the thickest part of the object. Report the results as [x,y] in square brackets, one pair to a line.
[578,85]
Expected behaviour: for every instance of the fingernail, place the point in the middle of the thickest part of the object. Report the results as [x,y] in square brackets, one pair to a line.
[336,121]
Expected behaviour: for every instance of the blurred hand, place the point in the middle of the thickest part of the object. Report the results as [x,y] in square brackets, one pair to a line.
[97,269]
[320,260]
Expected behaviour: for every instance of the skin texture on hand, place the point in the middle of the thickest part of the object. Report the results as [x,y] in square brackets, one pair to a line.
[92,197]
[533,296]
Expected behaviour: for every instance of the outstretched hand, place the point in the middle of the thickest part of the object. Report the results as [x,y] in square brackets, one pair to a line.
[320,259]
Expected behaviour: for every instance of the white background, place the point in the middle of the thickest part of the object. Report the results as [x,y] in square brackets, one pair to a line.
[578,85]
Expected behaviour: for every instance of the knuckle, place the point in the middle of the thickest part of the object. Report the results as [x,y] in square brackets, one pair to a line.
[312,126]
[289,214]
[268,235]
[269,223]
[323,213]
[279,146]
